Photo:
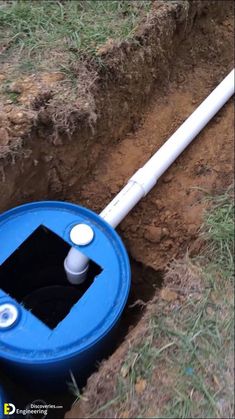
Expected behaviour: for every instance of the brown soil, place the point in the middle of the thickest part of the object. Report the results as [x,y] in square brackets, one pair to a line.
[145,92]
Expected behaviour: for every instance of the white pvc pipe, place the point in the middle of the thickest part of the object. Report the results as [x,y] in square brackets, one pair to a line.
[76,264]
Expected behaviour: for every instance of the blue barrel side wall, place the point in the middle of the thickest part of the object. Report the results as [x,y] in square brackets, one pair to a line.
[56,375]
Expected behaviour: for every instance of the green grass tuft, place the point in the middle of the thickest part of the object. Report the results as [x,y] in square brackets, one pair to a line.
[36,28]
[219,230]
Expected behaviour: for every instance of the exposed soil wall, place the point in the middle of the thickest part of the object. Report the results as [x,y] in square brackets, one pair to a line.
[36,150]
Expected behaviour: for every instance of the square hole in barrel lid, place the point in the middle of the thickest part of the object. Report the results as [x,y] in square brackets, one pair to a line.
[34,276]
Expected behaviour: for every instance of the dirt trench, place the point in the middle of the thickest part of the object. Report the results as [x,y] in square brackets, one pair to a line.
[90,168]
[166,224]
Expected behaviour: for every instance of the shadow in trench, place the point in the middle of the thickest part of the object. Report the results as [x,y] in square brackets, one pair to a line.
[145,281]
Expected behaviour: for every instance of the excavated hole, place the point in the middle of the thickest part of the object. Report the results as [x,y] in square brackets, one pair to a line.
[40,272]
[38,281]
[145,281]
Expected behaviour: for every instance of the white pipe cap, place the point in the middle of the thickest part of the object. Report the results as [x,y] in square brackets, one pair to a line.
[8,315]
[81,234]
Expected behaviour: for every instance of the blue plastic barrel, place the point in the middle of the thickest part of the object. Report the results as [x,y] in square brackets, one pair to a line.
[59,327]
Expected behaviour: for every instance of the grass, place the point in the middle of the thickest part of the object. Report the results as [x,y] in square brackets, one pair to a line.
[44,33]
[186,354]
[219,228]
[41,36]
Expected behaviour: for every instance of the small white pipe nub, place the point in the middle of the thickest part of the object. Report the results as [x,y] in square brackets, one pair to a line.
[76,264]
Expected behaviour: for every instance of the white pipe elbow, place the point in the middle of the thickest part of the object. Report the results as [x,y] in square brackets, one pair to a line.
[76,266]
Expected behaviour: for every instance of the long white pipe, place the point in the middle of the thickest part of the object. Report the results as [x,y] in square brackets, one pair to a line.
[76,263]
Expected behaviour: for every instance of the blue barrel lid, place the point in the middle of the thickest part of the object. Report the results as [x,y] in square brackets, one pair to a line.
[92,317]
